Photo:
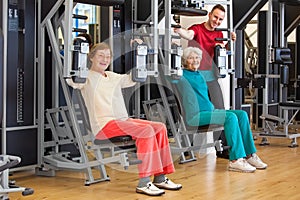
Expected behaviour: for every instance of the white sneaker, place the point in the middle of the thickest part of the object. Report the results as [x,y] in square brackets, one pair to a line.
[241,165]
[150,189]
[168,185]
[256,162]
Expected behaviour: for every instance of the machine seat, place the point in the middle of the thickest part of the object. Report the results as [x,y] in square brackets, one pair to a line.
[119,139]
[290,104]
[210,127]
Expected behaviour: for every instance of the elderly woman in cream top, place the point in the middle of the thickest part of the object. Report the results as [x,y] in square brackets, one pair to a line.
[102,93]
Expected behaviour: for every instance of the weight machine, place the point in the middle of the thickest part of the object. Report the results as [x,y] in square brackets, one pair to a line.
[277,113]
[8,161]
[66,141]
[8,186]
[165,107]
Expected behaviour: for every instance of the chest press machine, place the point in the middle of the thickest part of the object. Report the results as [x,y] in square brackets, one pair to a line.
[69,144]
[165,108]
[184,139]
[63,129]
[90,153]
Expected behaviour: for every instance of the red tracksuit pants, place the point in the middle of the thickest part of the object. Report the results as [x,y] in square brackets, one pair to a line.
[151,142]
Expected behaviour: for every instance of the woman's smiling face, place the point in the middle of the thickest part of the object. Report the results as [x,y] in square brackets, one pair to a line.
[193,61]
[101,60]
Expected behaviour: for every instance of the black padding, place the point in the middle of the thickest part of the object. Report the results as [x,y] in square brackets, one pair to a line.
[188,11]
[284,75]
[290,104]
[222,39]
[118,139]
[102,2]
[210,127]
[291,2]
[175,26]
[83,110]
[205,128]
[222,29]
[9,164]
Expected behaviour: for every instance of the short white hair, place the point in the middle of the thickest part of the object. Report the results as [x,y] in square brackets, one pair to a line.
[187,52]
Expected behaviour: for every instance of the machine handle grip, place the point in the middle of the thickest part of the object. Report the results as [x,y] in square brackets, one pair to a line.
[221,39]
[222,29]
[175,25]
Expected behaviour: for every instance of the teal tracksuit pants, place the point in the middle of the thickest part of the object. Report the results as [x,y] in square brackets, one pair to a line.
[236,127]
[199,111]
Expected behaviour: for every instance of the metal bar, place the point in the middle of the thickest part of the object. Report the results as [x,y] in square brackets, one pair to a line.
[290,28]
[232,50]
[111,34]
[283,90]
[35,71]
[258,2]
[154,13]
[268,55]
[54,45]
[41,84]
[292,118]
[4,29]
[167,39]
[20,128]
[68,38]
[52,11]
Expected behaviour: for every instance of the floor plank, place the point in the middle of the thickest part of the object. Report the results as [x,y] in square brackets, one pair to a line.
[206,178]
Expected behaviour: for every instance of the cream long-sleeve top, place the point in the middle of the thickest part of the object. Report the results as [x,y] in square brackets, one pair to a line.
[103,97]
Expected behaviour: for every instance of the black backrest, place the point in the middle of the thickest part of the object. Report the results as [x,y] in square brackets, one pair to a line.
[84,115]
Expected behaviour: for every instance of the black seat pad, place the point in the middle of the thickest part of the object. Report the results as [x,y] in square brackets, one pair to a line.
[118,139]
[290,104]
[205,128]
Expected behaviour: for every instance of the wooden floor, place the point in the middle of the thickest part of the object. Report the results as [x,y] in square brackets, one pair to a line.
[206,178]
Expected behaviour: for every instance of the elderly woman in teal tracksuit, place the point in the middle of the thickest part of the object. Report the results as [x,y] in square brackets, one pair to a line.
[200,111]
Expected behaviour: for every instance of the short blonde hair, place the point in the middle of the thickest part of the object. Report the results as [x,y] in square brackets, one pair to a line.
[187,52]
[99,46]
